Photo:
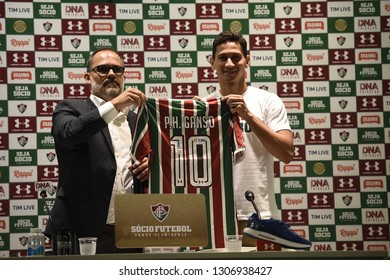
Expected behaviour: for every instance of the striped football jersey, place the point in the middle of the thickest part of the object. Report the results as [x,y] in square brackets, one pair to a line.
[191,146]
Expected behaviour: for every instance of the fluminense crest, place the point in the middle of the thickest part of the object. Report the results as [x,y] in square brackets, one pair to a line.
[160,211]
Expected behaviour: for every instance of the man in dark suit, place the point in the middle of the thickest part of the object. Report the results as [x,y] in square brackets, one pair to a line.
[92,142]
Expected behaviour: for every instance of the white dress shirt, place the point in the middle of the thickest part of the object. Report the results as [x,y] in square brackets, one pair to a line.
[121,142]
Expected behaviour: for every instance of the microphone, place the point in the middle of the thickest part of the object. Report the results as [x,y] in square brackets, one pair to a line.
[251,197]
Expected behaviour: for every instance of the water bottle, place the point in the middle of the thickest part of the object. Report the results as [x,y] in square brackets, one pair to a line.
[36,243]
[64,241]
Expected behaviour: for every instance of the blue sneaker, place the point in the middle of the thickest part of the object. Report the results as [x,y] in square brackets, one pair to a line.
[275,231]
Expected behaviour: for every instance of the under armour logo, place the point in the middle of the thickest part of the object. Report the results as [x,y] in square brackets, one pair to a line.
[318,136]
[182,26]
[375,232]
[76,90]
[317,72]
[102,9]
[291,88]
[290,24]
[296,151]
[338,55]
[212,9]
[46,106]
[133,58]
[25,123]
[269,246]
[262,41]
[369,39]
[371,167]
[48,42]
[310,8]
[184,89]
[23,189]
[153,42]
[75,25]
[20,58]
[346,183]
[343,119]
[351,247]
[367,102]
[50,171]
[294,216]
[318,198]
[207,73]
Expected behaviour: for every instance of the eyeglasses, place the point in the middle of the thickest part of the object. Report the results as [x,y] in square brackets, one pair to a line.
[103,70]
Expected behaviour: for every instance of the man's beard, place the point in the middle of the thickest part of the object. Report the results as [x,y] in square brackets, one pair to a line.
[106,91]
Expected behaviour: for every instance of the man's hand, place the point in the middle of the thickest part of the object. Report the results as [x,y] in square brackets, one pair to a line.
[141,170]
[198,98]
[130,97]
[237,105]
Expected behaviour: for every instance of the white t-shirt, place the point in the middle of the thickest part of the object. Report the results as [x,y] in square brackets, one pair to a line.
[255,170]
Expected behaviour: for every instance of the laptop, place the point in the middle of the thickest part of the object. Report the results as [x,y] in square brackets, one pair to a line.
[151,220]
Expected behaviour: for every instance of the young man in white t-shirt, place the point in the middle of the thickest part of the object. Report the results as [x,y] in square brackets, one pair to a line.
[267,134]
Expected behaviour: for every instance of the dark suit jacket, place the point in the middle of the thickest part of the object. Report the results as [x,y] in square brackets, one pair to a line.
[87,168]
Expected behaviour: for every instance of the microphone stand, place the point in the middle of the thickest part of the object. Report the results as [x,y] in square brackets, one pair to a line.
[251,197]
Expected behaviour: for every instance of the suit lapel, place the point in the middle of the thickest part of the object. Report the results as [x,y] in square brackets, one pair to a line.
[104,131]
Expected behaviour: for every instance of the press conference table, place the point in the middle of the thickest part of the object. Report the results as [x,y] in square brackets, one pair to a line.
[222,255]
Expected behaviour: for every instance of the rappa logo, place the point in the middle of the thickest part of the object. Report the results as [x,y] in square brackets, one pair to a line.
[294,201]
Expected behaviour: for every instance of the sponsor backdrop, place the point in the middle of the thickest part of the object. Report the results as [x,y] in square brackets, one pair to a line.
[328,60]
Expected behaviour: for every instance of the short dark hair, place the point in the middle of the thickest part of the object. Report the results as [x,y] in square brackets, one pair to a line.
[228,36]
[89,62]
